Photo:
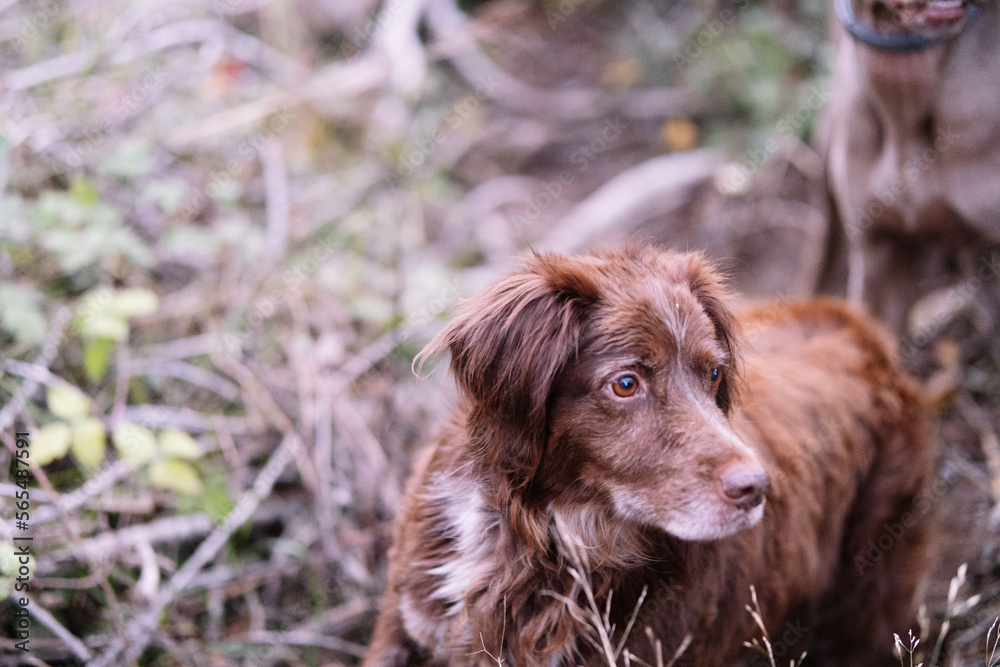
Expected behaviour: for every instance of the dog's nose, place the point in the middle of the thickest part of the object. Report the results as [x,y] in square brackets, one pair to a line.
[745,486]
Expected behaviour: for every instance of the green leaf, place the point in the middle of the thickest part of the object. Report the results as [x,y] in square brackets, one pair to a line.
[374,308]
[175,475]
[51,442]
[132,158]
[84,192]
[217,503]
[67,402]
[132,303]
[10,564]
[81,232]
[89,442]
[167,193]
[226,193]
[174,442]
[21,314]
[134,443]
[10,568]
[96,354]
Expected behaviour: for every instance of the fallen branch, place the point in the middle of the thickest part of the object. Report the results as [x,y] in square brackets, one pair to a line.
[296,638]
[42,615]
[139,630]
[69,502]
[106,545]
[448,21]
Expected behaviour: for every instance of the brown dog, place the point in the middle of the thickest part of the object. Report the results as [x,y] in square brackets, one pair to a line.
[911,138]
[614,424]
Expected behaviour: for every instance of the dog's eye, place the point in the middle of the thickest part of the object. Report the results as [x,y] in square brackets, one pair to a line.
[625,386]
[715,375]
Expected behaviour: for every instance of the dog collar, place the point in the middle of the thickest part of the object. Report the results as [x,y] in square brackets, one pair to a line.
[904,42]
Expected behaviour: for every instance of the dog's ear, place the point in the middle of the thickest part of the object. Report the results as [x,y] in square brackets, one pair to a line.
[707,284]
[508,346]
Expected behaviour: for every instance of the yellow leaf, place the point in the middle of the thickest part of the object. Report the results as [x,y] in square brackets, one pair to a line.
[67,402]
[134,443]
[89,442]
[103,325]
[175,475]
[622,73]
[51,442]
[679,134]
[178,443]
[133,302]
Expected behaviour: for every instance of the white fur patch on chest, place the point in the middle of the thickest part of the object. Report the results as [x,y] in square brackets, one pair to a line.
[473,530]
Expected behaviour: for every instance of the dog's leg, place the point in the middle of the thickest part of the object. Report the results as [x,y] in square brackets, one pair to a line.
[834,272]
[891,273]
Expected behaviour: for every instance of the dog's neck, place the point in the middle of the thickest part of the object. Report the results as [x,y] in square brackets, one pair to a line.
[484,580]
[904,87]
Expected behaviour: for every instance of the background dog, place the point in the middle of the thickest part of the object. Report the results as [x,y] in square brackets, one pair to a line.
[911,146]
[614,422]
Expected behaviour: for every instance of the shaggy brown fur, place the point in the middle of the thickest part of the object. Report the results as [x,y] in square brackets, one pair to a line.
[613,421]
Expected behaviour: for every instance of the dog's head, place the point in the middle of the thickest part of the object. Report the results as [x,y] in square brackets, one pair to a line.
[929,17]
[605,383]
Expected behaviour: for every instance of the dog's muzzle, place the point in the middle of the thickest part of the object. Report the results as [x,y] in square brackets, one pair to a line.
[902,42]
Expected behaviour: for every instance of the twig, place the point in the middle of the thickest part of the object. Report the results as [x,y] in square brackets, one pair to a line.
[149,573]
[369,445]
[323,461]
[398,39]
[139,630]
[990,443]
[231,453]
[340,80]
[43,616]
[331,619]
[257,395]
[45,358]
[619,198]
[183,370]
[374,352]
[39,374]
[298,638]
[182,418]
[276,197]
[181,348]
[168,529]
[447,20]
[99,482]
[73,530]
[174,34]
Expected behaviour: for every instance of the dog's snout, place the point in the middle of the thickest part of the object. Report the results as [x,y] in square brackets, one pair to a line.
[745,487]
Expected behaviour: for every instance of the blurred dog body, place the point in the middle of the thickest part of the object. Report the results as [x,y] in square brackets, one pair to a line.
[912,147]
[616,423]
